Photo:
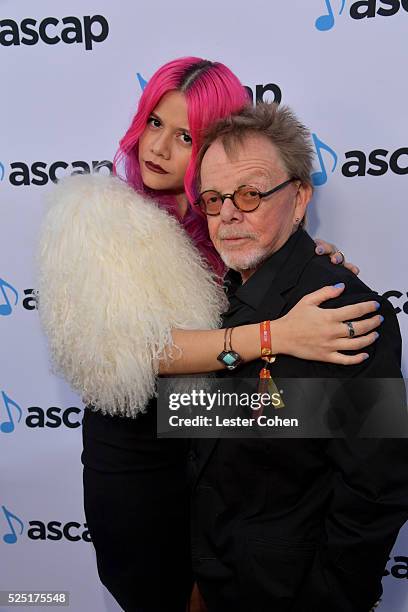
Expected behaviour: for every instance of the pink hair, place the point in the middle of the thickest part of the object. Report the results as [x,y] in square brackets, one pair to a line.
[212,92]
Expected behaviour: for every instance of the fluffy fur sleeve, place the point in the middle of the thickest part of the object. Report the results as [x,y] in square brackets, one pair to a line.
[116,274]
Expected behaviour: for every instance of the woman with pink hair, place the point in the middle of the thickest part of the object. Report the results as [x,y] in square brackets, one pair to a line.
[146,254]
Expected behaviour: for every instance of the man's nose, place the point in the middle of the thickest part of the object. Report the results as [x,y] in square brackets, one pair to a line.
[229,212]
[161,145]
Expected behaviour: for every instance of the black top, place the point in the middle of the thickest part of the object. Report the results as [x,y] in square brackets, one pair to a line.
[304,525]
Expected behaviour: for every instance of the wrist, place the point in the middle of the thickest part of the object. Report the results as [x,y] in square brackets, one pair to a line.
[280,338]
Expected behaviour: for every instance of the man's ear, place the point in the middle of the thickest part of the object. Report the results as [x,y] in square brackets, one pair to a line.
[303,197]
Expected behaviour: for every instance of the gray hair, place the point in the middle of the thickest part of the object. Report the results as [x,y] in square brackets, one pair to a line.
[278,123]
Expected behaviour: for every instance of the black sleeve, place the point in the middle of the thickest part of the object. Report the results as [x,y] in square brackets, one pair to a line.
[369,502]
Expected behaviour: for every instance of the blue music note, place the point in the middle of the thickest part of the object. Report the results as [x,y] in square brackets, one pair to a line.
[142,81]
[11,538]
[8,426]
[326,22]
[6,309]
[1,171]
[320,177]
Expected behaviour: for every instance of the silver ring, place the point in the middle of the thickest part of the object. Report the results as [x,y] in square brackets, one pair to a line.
[343,256]
[351,330]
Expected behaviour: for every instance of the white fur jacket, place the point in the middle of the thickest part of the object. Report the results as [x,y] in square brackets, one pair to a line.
[116,274]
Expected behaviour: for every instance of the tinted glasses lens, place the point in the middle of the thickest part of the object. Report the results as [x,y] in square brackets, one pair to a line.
[247,198]
[210,202]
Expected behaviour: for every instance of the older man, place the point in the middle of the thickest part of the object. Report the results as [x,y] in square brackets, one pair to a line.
[298,525]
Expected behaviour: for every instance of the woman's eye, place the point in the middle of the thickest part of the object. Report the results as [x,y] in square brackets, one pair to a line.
[186,138]
[154,122]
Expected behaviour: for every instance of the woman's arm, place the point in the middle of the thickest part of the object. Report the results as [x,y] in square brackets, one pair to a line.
[306,331]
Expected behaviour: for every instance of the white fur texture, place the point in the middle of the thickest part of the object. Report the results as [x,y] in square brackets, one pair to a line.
[117,273]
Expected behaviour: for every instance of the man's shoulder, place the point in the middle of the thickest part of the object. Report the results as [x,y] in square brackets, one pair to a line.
[385,353]
[320,272]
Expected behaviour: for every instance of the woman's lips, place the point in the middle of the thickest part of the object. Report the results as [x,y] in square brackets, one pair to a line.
[153,168]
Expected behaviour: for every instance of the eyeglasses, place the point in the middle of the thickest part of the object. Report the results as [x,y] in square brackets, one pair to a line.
[246,198]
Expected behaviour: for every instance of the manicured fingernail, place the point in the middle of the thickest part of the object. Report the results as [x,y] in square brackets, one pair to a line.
[377,305]
[381,318]
[377,335]
[338,285]
[366,356]
[338,260]
[320,250]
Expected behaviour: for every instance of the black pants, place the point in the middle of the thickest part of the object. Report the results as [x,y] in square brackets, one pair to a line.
[136,500]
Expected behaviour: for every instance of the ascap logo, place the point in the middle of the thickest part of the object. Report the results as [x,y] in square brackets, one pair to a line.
[9,299]
[320,176]
[53,417]
[11,535]
[142,81]
[7,291]
[374,163]
[370,8]
[399,569]
[85,30]
[41,173]
[364,9]
[326,21]
[56,530]
[271,92]
[12,413]
[39,530]
[398,299]
[35,417]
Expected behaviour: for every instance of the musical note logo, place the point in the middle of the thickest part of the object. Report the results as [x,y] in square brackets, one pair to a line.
[6,308]
[1,171]
[320,177]
[142,81]
[8,426]
[11,538]
[326,21]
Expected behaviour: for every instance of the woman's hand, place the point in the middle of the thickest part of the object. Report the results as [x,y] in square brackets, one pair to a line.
[336,256]
[310,332]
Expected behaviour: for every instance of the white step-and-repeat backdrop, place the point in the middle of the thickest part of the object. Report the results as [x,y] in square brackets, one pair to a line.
[71,74]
